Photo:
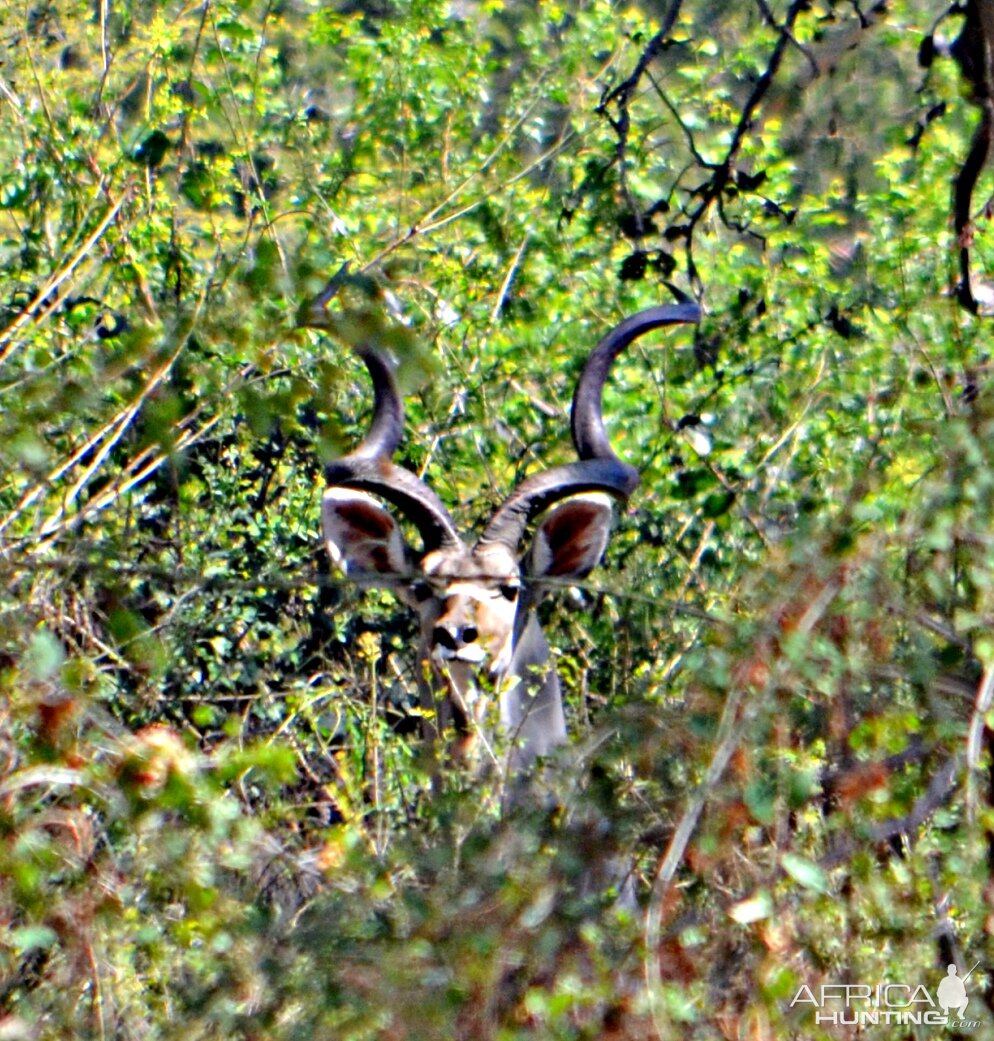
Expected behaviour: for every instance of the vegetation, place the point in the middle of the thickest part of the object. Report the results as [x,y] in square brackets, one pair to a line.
[215,815]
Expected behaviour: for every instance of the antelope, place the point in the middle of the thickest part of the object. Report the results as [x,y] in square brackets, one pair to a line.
[480,635]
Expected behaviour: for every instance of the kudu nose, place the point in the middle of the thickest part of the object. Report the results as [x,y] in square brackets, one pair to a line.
[441,637]
[454,638]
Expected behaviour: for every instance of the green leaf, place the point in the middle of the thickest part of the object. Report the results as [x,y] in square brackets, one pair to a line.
[753,909]
[27,938]
[45,655]
[760,798]
[806,872]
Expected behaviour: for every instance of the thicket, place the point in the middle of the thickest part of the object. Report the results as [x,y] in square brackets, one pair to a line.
[215,818]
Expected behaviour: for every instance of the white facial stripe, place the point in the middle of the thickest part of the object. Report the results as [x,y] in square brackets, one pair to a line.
[474,591]
[472,653]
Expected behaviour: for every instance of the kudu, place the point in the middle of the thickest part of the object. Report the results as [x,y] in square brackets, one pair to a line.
[479,631]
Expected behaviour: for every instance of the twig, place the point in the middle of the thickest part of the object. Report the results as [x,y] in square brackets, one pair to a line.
[509,279]
[768,17]
[728,738]
[33,776]
[623,91]
[43,304]
[938,793]
[978,723]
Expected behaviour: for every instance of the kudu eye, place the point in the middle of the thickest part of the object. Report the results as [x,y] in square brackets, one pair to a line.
[421,591]
[509,592]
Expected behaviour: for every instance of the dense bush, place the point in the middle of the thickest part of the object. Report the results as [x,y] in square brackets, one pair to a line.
[215,816]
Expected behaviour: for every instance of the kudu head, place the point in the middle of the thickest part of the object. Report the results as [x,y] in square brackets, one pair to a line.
[479,631]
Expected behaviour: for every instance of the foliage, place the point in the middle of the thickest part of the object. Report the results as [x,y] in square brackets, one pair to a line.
[215,817]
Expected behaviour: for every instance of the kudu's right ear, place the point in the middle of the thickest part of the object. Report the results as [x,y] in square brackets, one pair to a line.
[362,536]
[571,538]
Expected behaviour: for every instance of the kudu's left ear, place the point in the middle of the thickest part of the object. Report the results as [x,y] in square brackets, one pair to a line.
[571,539]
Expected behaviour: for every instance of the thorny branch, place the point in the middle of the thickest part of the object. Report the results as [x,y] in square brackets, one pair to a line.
[973,51]
[723,174]
[621,94]
[940,790]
